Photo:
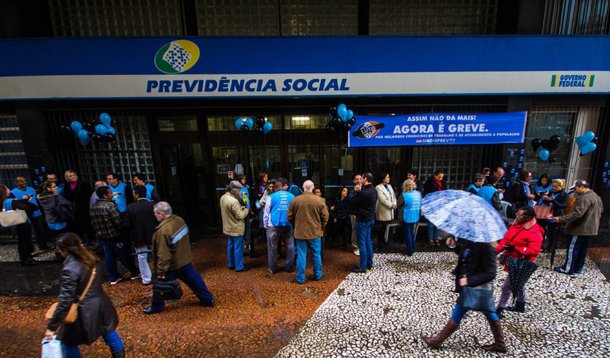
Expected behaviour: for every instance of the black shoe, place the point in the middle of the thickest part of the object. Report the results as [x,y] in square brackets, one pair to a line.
[30,262]
[150,310]
[357,269]
[246,268]
[209,304]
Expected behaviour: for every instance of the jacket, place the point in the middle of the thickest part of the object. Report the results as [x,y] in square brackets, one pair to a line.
[363,203]
[80,197]
[233,215]
[411,202]
[526,238]
[517,196]
[489,193]
[341,210]
[583,219]
[139,219]
[276,209]
[309,215]
[431,186]
[171,245]
[48,204]
[96,313]
[477,261]
[386,199]
[106,219]
[559,203]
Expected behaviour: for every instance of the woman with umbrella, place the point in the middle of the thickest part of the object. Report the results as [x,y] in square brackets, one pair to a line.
[522,242]
[476,224]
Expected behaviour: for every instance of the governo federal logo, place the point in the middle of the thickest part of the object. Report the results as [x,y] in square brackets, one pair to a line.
[177,56]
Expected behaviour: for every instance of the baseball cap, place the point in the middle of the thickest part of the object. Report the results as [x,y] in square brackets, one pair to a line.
[234,184]
[580,182]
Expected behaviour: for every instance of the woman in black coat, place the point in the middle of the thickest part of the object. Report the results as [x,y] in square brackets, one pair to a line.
[476,266]
[340,223]
[79,193]
[96,314]
[558,198]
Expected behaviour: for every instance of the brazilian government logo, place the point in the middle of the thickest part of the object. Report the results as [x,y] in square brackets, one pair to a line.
[177,56]
[573,80]
[368,129]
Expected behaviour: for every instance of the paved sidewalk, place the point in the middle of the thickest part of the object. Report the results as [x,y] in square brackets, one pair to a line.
[384,312]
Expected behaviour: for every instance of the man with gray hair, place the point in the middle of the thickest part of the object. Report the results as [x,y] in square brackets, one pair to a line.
[233,225]
[308,215]
[173,258]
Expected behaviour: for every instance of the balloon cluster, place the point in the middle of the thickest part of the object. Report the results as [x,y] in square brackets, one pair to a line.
[87,131]
[245,124]
[546,146]
[587,143]
[340,119]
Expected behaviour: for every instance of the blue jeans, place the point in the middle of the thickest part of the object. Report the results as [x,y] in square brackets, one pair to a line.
[432,231]
[114,250]
[409,229]
[274,234]
[235,252]
[316,247]
[192,279]
[112,339]
[578,247]
[458,313]
[365,244]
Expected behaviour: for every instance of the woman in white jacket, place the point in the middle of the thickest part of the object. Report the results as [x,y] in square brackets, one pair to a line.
[386,203]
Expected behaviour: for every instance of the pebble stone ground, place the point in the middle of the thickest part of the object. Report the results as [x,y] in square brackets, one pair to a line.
[384,312]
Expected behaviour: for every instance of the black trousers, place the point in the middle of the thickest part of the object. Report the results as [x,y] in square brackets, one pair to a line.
[24,242]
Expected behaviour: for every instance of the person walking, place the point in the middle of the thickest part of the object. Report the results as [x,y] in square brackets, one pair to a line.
[309,216]
[278,226]
[558,198]
[522,241]
[384,208]
[432,185]
[107,223]
[97,316]
[173,258]
[476,266]
[140,221]
[233,225]
[410,202]
[22,191]
[364,205]
[357,181]
[79,193]
[582,225]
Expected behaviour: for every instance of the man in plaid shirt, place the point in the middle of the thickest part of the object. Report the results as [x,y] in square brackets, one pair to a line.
[106,220]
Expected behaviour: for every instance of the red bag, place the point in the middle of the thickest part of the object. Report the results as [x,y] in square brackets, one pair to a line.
[543,212]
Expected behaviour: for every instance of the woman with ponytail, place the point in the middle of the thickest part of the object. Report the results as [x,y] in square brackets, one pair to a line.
[96,314]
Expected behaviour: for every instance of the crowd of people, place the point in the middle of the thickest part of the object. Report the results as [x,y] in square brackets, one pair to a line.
[117,222]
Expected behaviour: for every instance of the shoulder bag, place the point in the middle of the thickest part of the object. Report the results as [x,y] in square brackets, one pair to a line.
[73,313]
[543,211]
[13,218]
[477,298]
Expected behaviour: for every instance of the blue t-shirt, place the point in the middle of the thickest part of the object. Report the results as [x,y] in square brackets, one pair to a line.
[119,197]
[279,203]
[18,193]
[412,208]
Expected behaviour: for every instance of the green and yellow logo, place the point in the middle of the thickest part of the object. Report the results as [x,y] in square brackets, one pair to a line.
[572,80]
[177,56]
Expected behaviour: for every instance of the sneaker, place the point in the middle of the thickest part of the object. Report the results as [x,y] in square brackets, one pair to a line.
[133,278]
[357,252]
[561,270]
[116,281]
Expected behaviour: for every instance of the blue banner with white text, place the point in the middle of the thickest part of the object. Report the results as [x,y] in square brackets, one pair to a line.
[438,129]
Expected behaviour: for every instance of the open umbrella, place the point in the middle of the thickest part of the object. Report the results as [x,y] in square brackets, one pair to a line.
[463,215]
[519,272]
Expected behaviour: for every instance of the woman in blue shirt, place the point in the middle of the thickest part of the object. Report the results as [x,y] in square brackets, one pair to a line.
[411,204]
[543,186]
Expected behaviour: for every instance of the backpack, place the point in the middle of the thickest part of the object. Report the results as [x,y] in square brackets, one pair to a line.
[295,190]
[66,212]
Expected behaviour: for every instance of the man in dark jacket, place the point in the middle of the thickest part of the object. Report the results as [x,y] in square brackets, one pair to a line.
[140,221]
[173,258]
[582,226]
[79,193]
[107,223]
[364,205]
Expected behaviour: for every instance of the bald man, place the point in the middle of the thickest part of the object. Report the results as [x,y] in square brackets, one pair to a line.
[308,215]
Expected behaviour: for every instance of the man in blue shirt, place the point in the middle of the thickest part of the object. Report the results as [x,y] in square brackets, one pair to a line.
[121,192]
[278,226]
[26,193]
[151,192]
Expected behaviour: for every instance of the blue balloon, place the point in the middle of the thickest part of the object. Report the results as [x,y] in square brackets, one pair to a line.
[267,127]
[543,154]
[588,136]
[588,148]
[101,129]
[250,122]
[76,126]
[105,118]
[111,130]
[83,137]
[580,141]
[238,123]
[349,115]
[342,112]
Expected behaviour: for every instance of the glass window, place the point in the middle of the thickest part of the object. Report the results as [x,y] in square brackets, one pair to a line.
[178,124]
[227,123]
[13,162]
[265,159]
[543,125]
[319,17]
[238,17]
[305,121]
[458,162]
[385,160]
[338,169]
[304,163]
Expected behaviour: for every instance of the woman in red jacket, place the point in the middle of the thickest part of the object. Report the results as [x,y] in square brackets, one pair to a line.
[522,241]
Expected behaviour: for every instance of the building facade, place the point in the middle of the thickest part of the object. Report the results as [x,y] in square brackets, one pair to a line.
[289,61]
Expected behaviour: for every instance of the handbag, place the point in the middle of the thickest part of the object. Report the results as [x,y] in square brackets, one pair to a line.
[51,348]
[478,298]
[543,212]
[13,218]
[73,312]
[168,290]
